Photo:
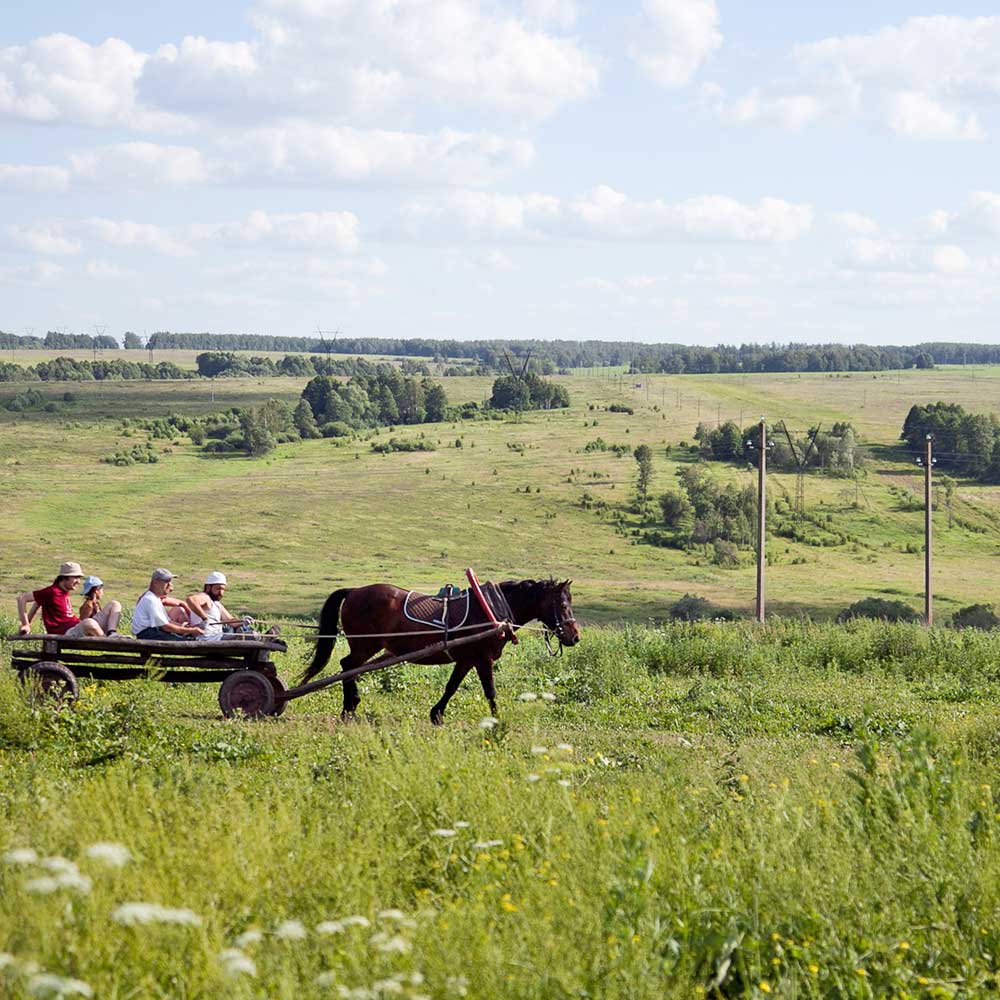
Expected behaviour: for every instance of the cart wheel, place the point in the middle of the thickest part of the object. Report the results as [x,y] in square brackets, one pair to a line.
[51,682]
[279,687]
[246,691]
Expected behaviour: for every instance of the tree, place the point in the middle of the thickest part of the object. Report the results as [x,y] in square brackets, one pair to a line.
[675,508]
[305,422]
[132,342]
[948,485]
[257,438]
[435,401]
[644,456]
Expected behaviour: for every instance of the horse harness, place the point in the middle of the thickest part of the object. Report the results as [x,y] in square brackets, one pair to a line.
[449,611]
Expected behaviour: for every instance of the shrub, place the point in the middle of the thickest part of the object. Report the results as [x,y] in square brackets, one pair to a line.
[336,429]
[878,607]
[691,608]
[975,616]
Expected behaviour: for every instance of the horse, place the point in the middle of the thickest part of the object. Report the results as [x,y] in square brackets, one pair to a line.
[373,619]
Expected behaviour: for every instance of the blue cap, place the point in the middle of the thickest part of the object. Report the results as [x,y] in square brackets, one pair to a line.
[91,582]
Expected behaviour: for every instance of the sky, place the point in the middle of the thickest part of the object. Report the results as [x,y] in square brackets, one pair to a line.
[687,171]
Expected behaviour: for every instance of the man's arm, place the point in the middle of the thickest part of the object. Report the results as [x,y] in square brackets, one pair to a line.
[225,617]
[177,629]
[24,614]
[198,603]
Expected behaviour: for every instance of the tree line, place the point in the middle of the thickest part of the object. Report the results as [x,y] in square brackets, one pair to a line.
[967,443]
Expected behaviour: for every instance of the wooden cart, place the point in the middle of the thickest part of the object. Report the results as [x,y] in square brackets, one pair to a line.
[248,681]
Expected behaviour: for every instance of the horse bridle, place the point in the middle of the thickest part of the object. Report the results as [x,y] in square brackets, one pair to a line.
[556,630]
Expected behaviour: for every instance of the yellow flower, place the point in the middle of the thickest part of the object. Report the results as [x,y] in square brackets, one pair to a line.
[923,980]
[861,973]
[813,968]
[903,945]
[765,986]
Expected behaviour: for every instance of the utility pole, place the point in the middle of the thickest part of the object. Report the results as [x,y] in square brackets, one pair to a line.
[928,461]
[761,448]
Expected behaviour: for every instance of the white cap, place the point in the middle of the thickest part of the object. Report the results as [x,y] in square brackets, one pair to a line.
[216,577]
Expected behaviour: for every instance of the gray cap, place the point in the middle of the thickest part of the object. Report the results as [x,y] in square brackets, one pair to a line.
[163,574]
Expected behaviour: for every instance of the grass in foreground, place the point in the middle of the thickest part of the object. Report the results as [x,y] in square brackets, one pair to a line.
[701,810]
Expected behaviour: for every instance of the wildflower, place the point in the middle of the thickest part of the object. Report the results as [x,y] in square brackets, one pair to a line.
[43,886]
[533,777]
[862,973]
[537,750]
[391,914]
[21,856]
[462,824]
[387,944]
[485,845]
[903,945]
[527,696]
[548,696]
[565,747]
[442,832]
[392,987]
[489,722]
[457,986]
[326,979]
[251,936]
[113,855]
[765,986]
[813,968]
[330,927]
[6,958]
[356,921]
[290,930]
[47,984]
[131,914]
[565,782]
[506,904]
[236,963]
[59,865]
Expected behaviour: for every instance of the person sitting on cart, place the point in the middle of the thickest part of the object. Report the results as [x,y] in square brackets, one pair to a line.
[210,614]
[57,612]
[150,618]
[92,607]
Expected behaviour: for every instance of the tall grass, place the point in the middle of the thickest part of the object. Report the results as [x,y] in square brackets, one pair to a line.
[702,810]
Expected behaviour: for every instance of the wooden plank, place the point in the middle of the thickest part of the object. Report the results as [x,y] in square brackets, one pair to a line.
[52,644]
[185,676]
[73,660]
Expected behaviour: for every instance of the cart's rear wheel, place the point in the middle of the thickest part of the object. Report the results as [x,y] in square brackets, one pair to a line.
[246,691]
[279,687]
[51,682]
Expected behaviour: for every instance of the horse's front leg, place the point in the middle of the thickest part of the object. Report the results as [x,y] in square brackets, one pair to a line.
[485,670]
[457,676]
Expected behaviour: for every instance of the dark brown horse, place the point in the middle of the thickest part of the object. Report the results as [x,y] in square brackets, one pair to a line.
[373,619]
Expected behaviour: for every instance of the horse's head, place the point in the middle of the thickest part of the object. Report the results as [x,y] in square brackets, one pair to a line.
[557,612]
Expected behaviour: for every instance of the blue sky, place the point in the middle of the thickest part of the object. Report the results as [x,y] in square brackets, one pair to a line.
[659,170]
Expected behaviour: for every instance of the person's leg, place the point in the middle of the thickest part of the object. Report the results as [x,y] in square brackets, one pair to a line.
[85,627]
[179,616]
[109,617]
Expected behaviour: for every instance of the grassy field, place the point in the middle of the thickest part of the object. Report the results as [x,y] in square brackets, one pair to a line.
[688,811]
[716,810]
[511,501]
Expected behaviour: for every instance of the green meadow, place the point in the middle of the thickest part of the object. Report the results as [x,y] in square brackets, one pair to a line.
[798,809]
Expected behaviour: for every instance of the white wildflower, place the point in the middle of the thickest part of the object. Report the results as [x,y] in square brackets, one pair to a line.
[533,778]
[527,696]
[538,749]
[6,958]
[290,930]
[47,984]
[565,782]
[391,914]
[457,986]
[326,979]
[131,914]
[548,696]
[485,845]
[74,880]
[59,865]
[416,978]
[387,987]
[441,832]
[330,927]
[108,853]
[393,944]
[251,936]
[236,963]
[489,722]
[565,747]
[462,824]
[21,856]
[44,885]
[355,920]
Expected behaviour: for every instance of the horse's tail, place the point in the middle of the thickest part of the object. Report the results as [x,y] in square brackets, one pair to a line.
[327,629]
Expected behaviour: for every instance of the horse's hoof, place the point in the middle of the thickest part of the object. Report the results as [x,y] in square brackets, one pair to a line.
[347,717]
[437,717]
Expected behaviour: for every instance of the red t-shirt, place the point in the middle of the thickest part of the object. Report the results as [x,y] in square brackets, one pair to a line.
[57,612]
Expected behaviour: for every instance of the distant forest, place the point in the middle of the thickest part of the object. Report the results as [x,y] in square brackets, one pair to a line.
[550,356]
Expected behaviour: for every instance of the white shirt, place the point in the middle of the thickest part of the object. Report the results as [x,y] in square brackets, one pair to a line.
[149,613]
[212,623]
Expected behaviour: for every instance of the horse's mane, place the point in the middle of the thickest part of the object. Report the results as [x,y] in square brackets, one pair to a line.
[534,588]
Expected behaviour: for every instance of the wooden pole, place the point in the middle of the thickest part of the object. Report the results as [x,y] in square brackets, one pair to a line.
[761,516]
[928,595]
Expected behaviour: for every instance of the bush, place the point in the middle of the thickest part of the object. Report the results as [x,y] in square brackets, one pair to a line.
[402,444]
[879,608]
[336,429]
[691,608]
[975,616]
[725,554]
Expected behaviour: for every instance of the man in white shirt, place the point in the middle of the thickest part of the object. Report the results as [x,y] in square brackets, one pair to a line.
[209,613]
[150,619]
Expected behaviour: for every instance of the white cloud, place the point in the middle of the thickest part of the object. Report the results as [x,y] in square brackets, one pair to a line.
[300,230]
[328,59]
[950,260]
[49,239]
[902,258]
[855,222]
[142,235]
[923,79]
[140,164]
[608,215]
[104,270]
[61,79]
[979,216]
[550,13]
[674,38]
[34,179]
[38,273]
